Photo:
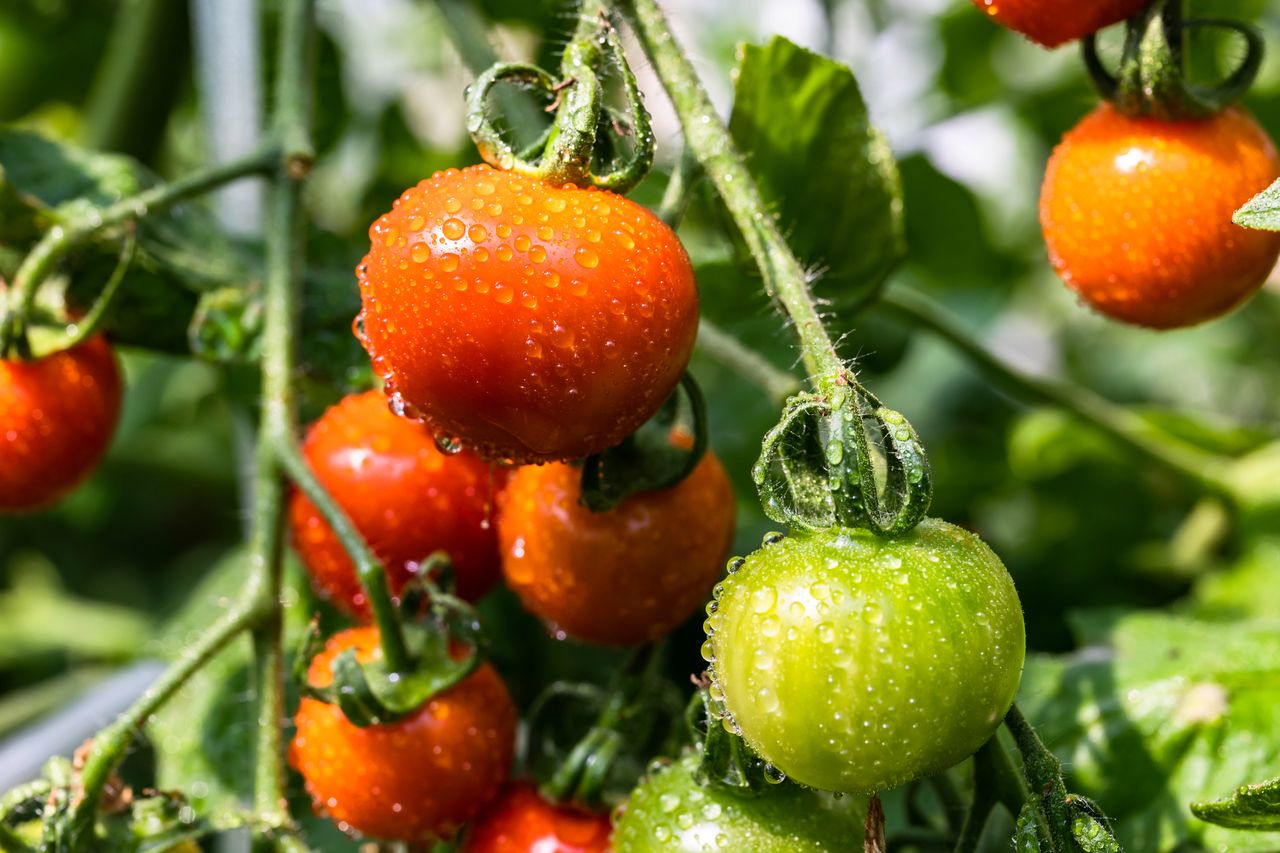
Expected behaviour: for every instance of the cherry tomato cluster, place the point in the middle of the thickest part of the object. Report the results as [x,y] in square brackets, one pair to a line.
[1137,209]
[512,321]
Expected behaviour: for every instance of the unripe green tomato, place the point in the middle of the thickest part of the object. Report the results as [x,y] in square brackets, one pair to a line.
[671,812]
[856,663]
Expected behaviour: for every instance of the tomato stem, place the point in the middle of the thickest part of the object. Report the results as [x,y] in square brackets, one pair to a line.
[1198,466]
[369,569]
[708,139]
[1044,778]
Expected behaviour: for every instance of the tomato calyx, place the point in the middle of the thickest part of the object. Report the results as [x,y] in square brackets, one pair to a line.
[726,759]
[443,640]
[588,142]
[818,466]
[648,460]
[37,815]
[1152,80]
[591,744]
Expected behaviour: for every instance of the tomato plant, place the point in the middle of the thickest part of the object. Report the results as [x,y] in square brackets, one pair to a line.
[528,321]
[509,403]
[407,497]
[521,821]
[624,576]
[417,779]
[57,415]
[1137,215]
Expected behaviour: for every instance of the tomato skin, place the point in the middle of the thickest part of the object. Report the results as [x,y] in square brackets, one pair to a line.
[1052,23]
[533,323]
[1137,215]
[626,576]
[418,779]
[57,416]
[405,496]
[672,813]
[855,663]
[521,821]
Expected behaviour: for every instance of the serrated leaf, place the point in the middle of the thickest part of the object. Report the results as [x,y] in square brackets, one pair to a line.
[1263,210]
[1171,710]
[821,166]
[1255,807]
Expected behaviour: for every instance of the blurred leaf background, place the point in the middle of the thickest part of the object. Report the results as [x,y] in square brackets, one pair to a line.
[970,111]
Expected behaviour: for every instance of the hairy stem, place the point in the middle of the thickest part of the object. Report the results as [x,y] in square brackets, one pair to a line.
[285,233]
[1044,778]
[1199,466]
[707,137]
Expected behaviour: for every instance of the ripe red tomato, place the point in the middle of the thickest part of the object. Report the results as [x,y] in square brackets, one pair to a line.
[1137,215]
[521,821]
[856,663]
[625,576]
[531,322]
[1052,22]
[406,496]
[57,416]
[418,779]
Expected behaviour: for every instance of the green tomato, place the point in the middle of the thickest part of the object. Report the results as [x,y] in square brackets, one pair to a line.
[856,663]
[672,811]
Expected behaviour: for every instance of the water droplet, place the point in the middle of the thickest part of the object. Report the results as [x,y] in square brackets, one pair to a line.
[453,229]
[586,258]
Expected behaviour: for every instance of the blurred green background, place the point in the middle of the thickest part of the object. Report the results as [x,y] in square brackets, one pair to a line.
[971,112]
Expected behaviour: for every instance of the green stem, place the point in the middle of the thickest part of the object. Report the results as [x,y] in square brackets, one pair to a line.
[717,344]
[368,568]
[110,744]
[283,283]
[1200,467]
[65,236]
[707,137]
[1044,778]
[995,782]
[679,191]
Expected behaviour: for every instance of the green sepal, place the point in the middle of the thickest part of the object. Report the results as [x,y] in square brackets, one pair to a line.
[725,757]
[1088,827]
[370,693]
[1255,807]
[647,461]
[818,467]
[1027,835]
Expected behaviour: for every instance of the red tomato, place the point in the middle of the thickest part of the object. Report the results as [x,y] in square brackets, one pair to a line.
[406,496]
[418,779]
[57,416]
[1137,215]
[1056,22]
[625,576]
[522,822]
[531,322]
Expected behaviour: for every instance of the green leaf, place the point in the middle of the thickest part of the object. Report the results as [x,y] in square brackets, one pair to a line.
[820,165]
[1092,836]
[181,250]
[1255,807]
[1262,211]
[1171,710]
[1026,832]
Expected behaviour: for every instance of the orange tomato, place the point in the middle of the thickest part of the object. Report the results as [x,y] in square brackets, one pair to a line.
[625,576]
[407,498]
[1137,215]
[522,822]
[1056,22]
[57,416]
[415,780]
[531,322]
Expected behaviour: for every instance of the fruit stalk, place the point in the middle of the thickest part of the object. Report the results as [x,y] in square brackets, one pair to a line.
[709,140]
[1196,465]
